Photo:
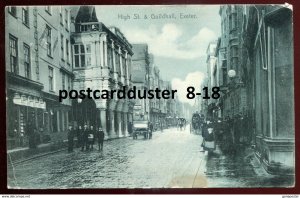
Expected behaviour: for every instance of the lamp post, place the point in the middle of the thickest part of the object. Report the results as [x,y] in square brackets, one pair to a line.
[232,76]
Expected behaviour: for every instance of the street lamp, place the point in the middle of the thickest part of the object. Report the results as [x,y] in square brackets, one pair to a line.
[231,73]
[232,76]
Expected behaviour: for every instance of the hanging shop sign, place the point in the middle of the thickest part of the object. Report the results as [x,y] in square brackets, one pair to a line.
[29,101]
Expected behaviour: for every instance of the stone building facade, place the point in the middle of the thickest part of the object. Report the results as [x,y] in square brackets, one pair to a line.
[141,79]
[233,101]
[268,68]
[102,60]
[257,43]
[38,64]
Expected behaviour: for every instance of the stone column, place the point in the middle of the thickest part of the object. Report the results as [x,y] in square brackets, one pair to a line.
[119,130]
[102,51]
[121,62]
[103,115]
[114,60]
[112,133]
[126,124]
[105,51]
[96,59]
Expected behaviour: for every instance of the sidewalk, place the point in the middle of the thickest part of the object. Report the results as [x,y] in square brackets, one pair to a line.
[18,155]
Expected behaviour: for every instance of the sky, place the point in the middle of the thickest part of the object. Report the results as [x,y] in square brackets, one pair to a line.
[179,44]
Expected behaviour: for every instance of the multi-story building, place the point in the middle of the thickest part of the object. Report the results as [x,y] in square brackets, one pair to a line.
[154,83]
[268,68]
[38,64]
[141,78]
[212,78]
[203,101]
[230,61]
[102,60]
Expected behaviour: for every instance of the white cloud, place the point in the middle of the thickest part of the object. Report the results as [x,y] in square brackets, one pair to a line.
[194,79]
[168,41]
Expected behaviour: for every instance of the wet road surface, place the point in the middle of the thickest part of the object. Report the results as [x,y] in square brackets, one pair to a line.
[171,159]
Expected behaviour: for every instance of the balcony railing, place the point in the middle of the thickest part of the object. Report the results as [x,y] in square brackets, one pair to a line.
[88,27]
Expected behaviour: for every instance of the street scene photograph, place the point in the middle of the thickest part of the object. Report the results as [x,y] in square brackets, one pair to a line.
[141,97]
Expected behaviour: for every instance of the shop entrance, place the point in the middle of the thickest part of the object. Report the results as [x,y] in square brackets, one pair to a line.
[85,112]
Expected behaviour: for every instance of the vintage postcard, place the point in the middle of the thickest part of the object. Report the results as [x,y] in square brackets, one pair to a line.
[177,96]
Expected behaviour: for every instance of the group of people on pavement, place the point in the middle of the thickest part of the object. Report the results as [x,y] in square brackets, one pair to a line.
[230,132]
[86,137]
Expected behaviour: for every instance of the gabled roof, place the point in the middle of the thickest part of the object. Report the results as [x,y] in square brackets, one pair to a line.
[86,14]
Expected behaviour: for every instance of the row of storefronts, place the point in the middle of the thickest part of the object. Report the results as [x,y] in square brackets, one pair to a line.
[53,48]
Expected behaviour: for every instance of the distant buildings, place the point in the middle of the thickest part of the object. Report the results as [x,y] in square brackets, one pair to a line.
[145,76]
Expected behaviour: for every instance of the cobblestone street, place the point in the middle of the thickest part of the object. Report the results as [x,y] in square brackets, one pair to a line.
[171,159]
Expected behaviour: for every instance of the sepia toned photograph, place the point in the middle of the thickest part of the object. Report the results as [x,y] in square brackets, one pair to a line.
[142,97]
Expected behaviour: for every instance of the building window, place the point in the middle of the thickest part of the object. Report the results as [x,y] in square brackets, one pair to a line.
[13,51]
[49,43]
[62,50]
[117,62]
[61,15]
[63,81]
[27,61]
[234,51]
[48,9]
[82,55]
[12,10]
[25,16]
[233,21]
[67,18]
[50,78]
[109,54]
[67,51]
[123,66]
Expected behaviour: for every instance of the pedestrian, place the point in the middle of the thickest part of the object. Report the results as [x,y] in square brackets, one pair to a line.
[21,138]
[70,138]
[90,137]
[203,133]
[32,138]
[237,129]
[100,138]
[150,130]
[130,128]
[80,136]
[85,134]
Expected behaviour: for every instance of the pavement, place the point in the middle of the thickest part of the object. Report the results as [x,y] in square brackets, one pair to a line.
[171,159]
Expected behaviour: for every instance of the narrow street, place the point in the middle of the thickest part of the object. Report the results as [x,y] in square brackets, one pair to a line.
[171,159]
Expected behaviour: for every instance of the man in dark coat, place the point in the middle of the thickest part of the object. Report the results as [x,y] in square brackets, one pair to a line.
[85,138]
[70,138]
[91,138]
[150,130]
[32,138]
[79,136]
[100,138]
[130,128]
